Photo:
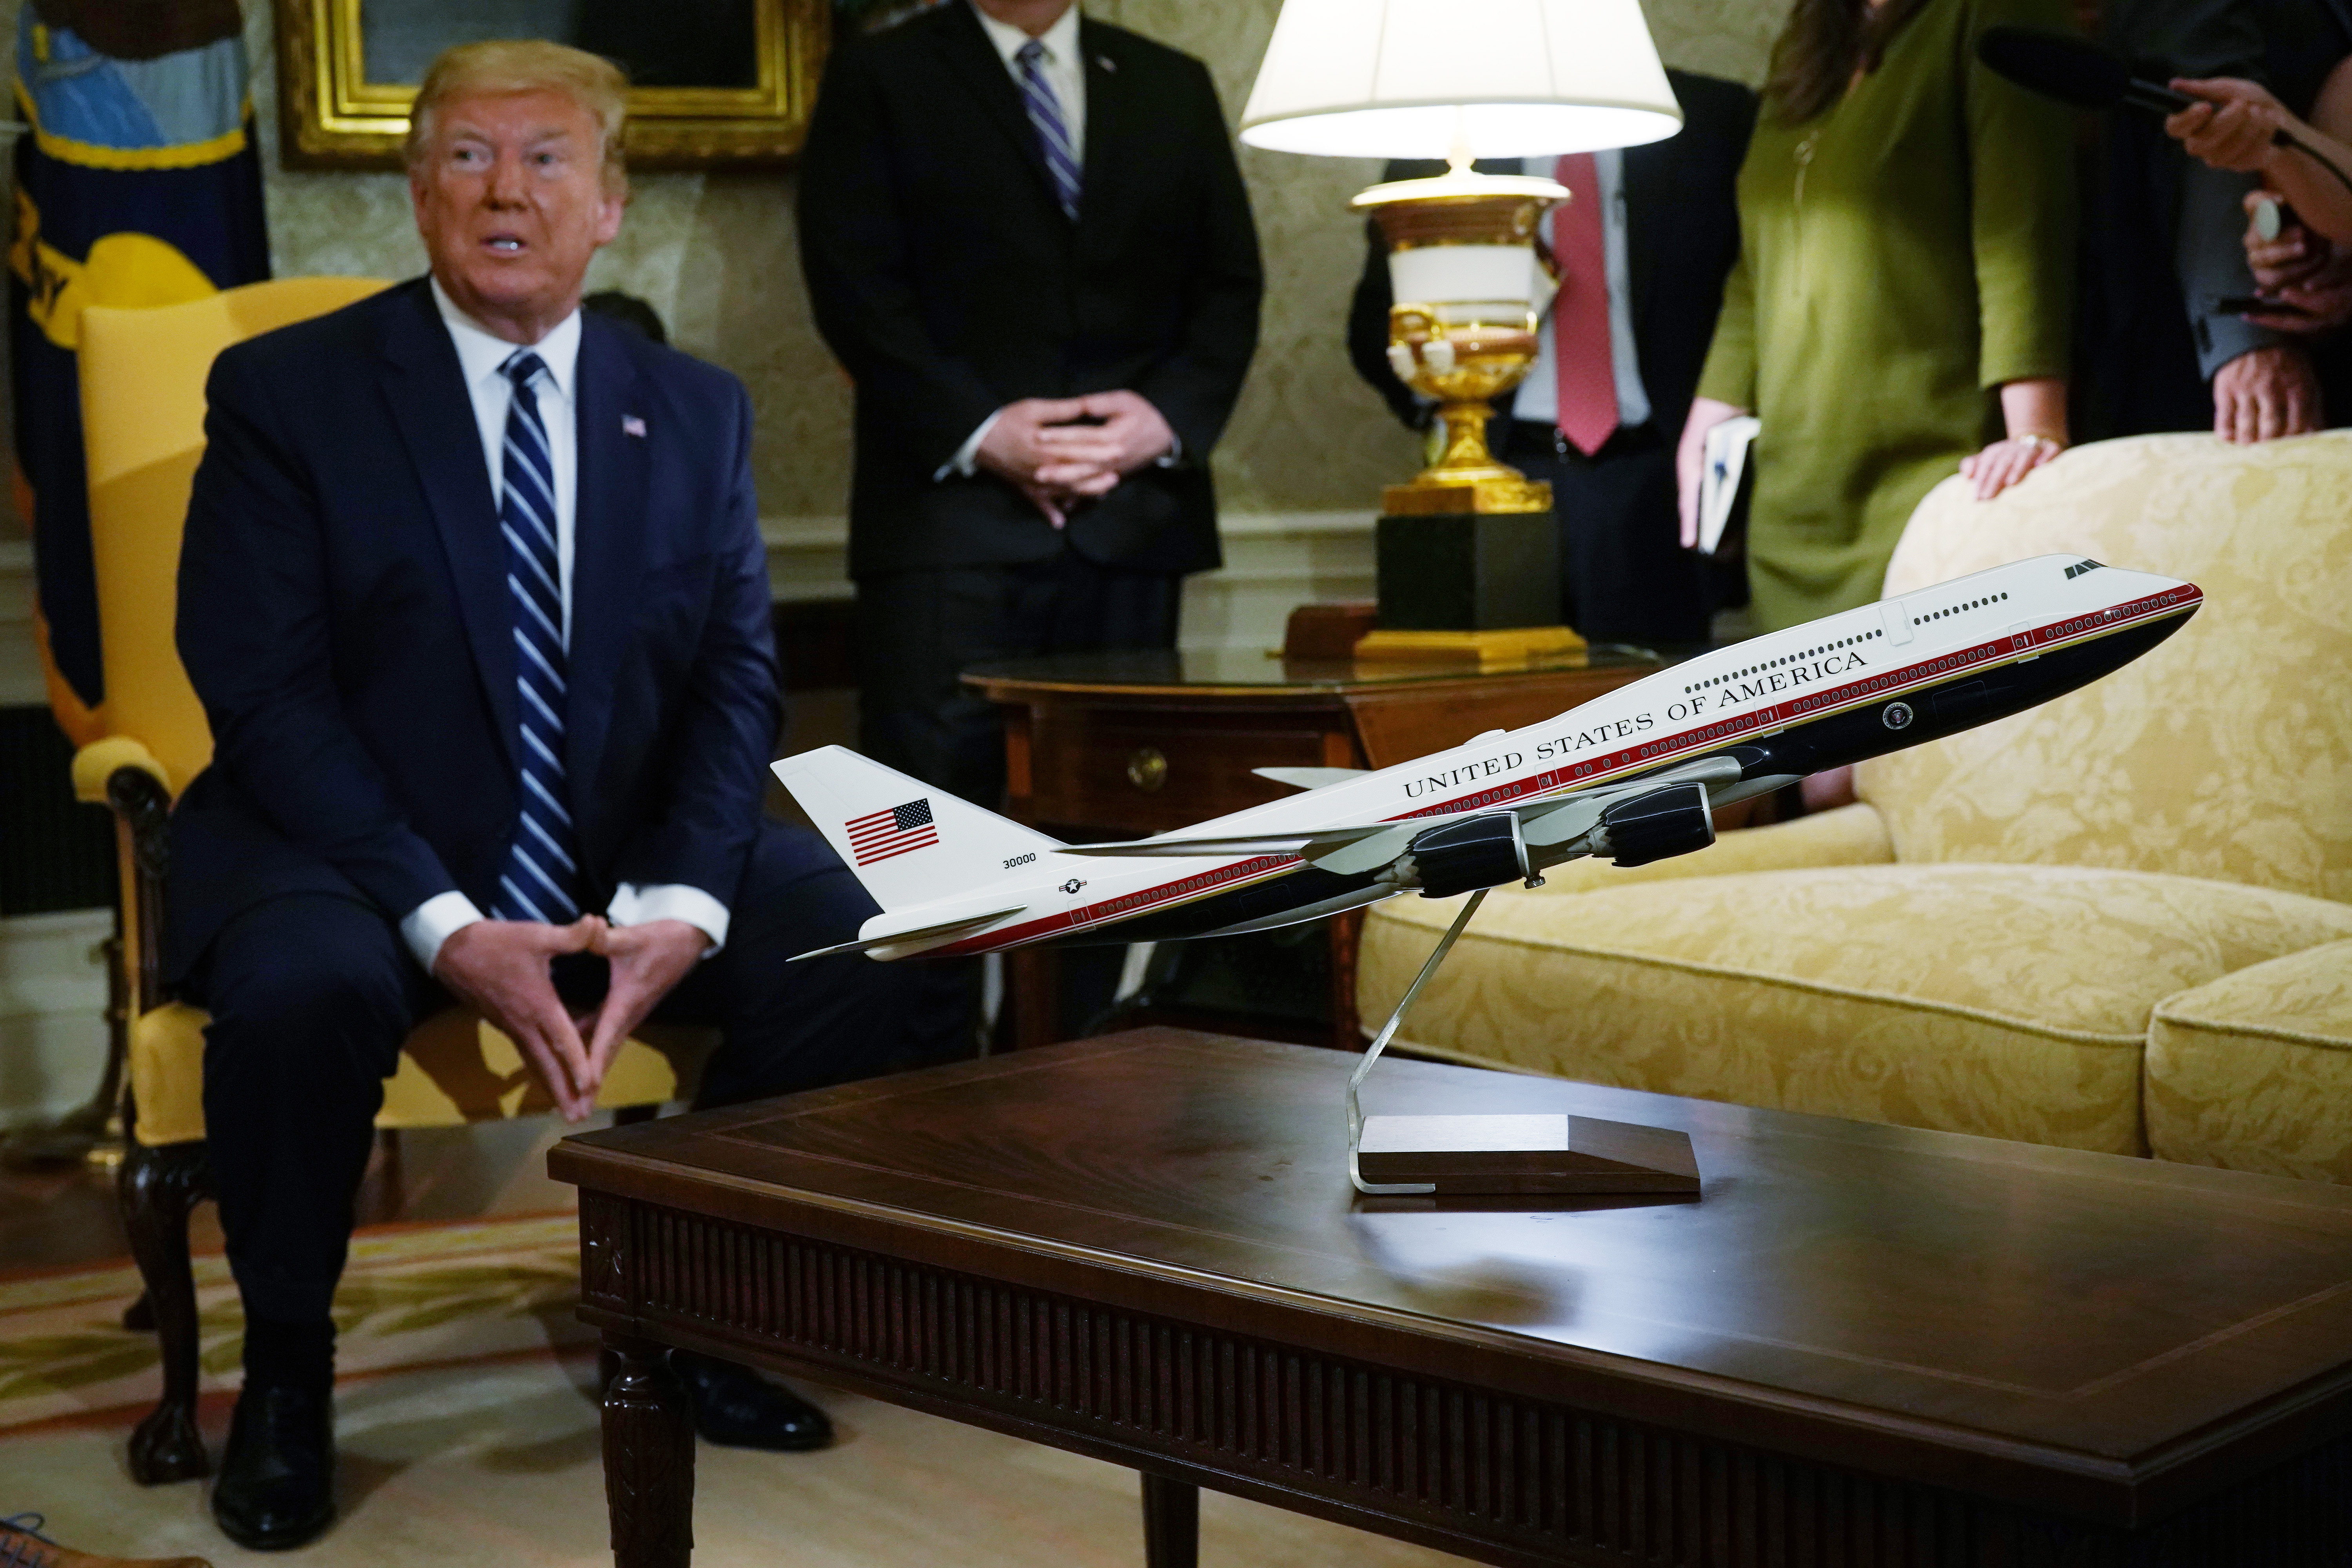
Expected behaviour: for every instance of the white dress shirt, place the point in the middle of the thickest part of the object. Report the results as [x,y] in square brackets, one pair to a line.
[1538,398]
[1065,72]
[480,355]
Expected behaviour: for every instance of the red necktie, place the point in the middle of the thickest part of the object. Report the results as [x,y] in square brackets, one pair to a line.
[1579,312]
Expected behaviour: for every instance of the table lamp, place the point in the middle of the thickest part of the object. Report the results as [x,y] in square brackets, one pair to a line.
[1468,559]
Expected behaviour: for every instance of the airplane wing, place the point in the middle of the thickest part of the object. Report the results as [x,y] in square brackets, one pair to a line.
[1309,778]
[1349,847]
[922,934]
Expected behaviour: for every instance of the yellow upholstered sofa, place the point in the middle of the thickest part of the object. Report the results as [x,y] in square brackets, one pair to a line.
[2122,921]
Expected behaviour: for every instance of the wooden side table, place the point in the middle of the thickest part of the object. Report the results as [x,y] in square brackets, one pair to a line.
[1126,744]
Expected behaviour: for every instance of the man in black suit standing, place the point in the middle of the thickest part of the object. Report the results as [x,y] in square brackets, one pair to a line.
[474,595]
[1668,235]
[1026,238]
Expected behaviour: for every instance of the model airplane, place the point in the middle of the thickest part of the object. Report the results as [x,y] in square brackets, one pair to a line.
[1633,776]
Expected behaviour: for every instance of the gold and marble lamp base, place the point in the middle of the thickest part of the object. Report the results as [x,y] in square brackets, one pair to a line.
[1466,477]
[1468,558]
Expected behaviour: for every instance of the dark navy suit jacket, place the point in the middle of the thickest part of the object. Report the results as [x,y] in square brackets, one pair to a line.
[344,616]
[945,277]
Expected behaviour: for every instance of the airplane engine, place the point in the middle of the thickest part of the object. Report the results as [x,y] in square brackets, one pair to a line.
[1656,827]
[1462,857]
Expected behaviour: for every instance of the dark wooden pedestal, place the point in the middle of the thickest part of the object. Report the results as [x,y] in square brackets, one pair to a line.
[1470,572]
[1859,1345]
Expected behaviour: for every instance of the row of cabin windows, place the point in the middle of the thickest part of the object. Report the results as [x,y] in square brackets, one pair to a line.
[1792,659]
[1956,609]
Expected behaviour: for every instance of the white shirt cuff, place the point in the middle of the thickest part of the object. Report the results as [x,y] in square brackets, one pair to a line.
[633,905]
[966,460]
[434,922]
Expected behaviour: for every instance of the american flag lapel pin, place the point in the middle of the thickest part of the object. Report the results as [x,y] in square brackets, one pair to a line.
[633,426]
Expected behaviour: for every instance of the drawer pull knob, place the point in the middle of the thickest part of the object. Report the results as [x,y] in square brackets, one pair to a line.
[1147,770]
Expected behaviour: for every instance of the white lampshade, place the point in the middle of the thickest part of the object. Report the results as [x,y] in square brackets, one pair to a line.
[1417,78]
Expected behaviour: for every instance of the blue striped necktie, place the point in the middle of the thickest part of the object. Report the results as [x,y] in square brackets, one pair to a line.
[1053,134]
[541,880]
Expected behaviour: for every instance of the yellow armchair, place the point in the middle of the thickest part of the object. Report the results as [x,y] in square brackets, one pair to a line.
[143,386]
[2115,922]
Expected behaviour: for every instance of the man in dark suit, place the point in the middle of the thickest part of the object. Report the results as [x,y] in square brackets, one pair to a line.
[1026,236]
[1668,233]
[474,595]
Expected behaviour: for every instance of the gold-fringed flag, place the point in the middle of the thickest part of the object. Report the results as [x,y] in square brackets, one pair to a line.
[138,182]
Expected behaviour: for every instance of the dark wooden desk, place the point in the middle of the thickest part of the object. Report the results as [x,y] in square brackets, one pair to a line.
[1124,744]
[1863,1345]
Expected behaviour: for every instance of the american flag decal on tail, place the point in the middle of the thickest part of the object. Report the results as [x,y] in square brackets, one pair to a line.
[879,835]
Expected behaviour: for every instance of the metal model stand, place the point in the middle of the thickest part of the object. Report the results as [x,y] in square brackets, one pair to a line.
[1540,1154]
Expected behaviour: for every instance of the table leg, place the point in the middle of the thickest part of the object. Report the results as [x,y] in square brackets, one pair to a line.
[1172,1522]
[1035,982]
[1347,938]
[649,1457]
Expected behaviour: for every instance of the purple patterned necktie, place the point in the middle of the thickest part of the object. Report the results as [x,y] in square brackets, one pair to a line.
[1053,134]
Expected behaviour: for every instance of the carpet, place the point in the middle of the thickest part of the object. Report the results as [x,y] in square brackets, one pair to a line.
[417,1295]
[497,1465]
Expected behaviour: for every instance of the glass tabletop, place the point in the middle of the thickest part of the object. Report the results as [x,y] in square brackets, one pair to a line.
[1242,668]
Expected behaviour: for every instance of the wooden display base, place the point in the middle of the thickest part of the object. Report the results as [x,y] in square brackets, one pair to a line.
[1542,1153]
[1504,649]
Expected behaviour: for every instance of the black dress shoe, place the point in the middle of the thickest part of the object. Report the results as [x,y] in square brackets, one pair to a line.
[737,1408]
[277,1487]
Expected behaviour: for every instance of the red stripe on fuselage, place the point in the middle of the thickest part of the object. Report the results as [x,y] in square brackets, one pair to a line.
[1584,775]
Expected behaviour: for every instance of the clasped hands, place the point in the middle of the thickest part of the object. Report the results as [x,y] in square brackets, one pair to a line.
[1059,451]
[500,969]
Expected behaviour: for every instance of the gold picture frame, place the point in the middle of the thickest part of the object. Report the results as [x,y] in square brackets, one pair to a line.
[335,117]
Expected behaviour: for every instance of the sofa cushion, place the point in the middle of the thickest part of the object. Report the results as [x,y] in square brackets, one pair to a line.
[2227,751]
[2012,1001]
[2254,1070]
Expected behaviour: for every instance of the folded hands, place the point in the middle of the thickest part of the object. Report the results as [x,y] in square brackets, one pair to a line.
[501,969]
[1061,451]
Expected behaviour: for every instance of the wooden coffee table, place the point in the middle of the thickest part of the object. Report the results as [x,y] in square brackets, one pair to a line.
[1863,1344]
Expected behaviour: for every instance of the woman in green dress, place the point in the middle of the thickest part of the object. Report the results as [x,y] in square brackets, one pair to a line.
[1903,302]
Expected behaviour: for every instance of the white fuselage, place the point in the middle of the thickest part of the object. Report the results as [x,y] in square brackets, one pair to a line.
[1871,656]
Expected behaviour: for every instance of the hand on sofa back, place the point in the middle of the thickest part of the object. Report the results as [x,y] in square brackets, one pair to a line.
[2225,754]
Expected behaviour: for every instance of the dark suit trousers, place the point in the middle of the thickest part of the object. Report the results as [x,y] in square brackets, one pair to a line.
[1624,576]
[311,994]
[918,631]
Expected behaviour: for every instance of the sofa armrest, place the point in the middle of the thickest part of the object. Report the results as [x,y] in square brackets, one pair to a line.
[1850,836]
[2252,1072]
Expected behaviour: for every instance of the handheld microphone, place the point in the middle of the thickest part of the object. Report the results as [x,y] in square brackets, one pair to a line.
[2073,70]
[2077,71]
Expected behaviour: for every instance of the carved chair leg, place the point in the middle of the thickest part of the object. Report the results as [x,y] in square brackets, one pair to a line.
[649,1457]
[157,1189]
[139,1316]
[1172,1522]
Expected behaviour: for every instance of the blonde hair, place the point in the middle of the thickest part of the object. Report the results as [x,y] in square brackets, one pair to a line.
[526,64]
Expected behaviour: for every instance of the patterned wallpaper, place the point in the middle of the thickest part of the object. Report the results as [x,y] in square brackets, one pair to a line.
[715,255]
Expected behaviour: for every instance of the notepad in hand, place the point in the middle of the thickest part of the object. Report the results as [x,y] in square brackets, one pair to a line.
[1725,461]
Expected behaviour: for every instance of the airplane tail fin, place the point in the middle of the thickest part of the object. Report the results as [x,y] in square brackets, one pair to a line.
[908,842]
